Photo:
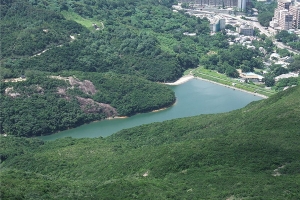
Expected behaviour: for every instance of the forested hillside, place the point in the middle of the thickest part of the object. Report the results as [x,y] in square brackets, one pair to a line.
[131,37]
[26,30]
[128,40]
[251,153]
[44,104]
[64,63]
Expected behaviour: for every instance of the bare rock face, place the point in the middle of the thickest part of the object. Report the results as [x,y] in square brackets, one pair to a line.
[39,89]
[10,92]
[90,106]
[87,105]
[85,86]
[61,91]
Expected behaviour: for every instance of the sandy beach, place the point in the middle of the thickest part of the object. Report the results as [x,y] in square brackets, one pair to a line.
[117,117]
[181,80]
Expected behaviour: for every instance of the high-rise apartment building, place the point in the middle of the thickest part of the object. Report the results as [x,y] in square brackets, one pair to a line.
[217,24]
[295,9]
[242,4]
[286,15]
[285,19]
[219,3]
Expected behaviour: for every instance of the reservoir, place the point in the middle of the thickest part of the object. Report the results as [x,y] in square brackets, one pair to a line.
[194,97]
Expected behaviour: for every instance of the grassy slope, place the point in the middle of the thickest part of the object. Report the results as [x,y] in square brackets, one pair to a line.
[205,157]
[88,23]
[223,79]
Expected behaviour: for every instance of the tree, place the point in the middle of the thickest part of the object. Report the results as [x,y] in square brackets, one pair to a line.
[230,27]
[263,36]
[231,72]
[5,73]
[269,80]
[185,5]
[294,66]
[264,18]
[280,70]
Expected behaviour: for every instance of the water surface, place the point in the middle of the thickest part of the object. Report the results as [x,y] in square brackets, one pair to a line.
[194,97]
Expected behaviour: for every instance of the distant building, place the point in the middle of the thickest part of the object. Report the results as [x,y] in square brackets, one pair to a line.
[217,24]
[245,30]
[286,15]
[285,20]
[240,4]
[250,76]
[189,34]
[250,47]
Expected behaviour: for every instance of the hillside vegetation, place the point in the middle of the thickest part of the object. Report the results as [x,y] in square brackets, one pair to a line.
[44,104]
[144,40]
[250,153]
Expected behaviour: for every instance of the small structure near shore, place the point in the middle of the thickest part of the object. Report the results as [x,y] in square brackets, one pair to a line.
[250,76]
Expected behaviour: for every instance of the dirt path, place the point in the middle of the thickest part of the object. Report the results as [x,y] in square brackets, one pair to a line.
[38,54]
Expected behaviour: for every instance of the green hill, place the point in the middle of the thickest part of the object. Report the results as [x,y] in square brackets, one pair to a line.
[145,39]
[250,153]
[129,41]
[27,30]
[44,103]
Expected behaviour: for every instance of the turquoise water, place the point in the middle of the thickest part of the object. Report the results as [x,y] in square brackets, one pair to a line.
[194,97]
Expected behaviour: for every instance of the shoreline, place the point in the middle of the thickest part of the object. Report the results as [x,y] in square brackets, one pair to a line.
[116,117]
[189,77]
[164,108]
[255,94]
[178,82]
[181,80]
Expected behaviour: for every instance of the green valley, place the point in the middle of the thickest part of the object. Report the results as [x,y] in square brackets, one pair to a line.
[251,153]
[65,63]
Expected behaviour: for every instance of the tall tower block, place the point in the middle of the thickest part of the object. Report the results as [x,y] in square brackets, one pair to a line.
[242,4]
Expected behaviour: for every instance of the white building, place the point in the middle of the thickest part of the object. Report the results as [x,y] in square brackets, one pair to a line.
[245,30]
[250,76]
[286,15]
[217,24]
[242,5]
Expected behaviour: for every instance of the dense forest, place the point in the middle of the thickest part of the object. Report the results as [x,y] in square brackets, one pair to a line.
[64,63]
[45,104]
[253,154]
[130,43]
[123,44]
[142,40]
[38,42]
[265,11]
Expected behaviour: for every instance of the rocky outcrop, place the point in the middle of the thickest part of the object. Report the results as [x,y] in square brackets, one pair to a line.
[10,92]
[87,105]
[85,86]
[90,106]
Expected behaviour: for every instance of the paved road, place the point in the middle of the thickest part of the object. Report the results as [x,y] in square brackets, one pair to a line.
[255,24]
[263,30]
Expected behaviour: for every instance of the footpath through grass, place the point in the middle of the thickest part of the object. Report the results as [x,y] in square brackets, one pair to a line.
[214,76]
